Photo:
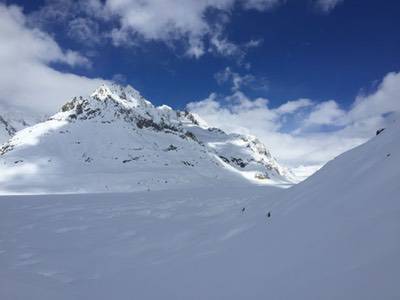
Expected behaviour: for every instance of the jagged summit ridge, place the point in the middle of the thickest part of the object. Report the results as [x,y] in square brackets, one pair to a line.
[122,94]
[117,131]
[115,103]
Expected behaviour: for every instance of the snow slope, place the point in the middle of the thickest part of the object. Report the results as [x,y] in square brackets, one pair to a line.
[115,140]
[334,236]
[11,121]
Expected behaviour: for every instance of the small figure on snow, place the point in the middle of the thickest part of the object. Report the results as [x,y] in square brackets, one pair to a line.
[379,131]
[243,209]
[269,214]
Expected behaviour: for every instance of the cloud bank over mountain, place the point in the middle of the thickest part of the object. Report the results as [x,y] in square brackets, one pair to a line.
[28,78]
[304,131]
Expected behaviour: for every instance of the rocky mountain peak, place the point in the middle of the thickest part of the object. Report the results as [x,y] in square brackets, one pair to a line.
[113,103]
[127,95]
[117,131]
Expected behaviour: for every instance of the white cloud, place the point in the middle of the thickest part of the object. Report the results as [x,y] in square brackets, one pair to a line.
[181,20]
[237,114]
[385,99]
[327,5]
[239,81]
[325,113]
[223,46]
[19,43]
[254,43]
[85,31]
[292,106]
[79,20]
[295,130]
[27,79]
[177,23]
[196,26]
[260,4]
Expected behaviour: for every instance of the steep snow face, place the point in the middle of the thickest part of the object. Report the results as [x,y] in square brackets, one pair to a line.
[115,140]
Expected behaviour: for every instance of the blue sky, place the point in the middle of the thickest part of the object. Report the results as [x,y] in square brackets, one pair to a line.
[302,52]
[302,70]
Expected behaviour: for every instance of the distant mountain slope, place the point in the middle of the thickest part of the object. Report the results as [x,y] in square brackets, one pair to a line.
[115,140]
[12,121]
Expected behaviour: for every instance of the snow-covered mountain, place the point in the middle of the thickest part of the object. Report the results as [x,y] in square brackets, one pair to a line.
[334,236]
[115,140]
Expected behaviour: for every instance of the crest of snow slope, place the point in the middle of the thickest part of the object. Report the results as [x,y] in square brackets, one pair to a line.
[334,236]
[115,140]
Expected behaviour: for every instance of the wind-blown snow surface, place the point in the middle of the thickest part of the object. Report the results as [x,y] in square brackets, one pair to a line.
[334,236]
[115,140]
